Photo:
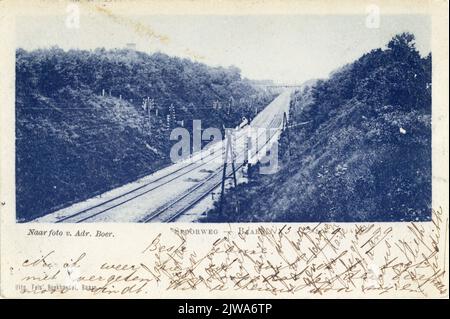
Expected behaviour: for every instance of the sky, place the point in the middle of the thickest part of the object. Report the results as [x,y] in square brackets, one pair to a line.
[287,49]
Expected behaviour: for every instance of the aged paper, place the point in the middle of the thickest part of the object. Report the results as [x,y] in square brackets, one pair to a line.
[224,149]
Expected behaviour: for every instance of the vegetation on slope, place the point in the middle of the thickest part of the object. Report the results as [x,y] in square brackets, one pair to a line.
[81,128]
[364,155]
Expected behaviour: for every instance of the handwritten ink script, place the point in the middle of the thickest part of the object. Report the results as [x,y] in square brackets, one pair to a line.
[277,260]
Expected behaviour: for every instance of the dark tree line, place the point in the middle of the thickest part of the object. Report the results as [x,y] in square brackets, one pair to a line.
[81,127]
[364,154]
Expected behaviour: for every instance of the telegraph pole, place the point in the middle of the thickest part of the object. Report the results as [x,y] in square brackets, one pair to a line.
[285,128]
[228,152]
[149,115]
[148,105]
[171,117]
[172,114]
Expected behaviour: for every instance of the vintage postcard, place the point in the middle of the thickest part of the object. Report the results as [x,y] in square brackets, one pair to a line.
[224,149]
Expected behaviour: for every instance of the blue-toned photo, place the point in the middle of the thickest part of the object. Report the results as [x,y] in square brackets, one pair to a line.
[223,119]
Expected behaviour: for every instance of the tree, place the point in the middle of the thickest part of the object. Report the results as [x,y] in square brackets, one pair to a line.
[403,46]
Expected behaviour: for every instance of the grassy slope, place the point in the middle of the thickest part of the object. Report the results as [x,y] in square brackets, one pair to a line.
[73,143]
[365,156]
[71,154]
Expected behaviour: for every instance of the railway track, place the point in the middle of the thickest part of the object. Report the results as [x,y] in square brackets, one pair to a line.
[172,210]
[88,213]
[180,203]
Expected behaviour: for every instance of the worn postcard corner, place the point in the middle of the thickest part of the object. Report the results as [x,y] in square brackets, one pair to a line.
[229,149]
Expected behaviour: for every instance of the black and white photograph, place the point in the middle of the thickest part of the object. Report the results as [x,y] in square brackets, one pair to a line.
[213,152]
[215,118]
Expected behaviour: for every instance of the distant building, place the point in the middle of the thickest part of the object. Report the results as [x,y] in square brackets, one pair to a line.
[131,46]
